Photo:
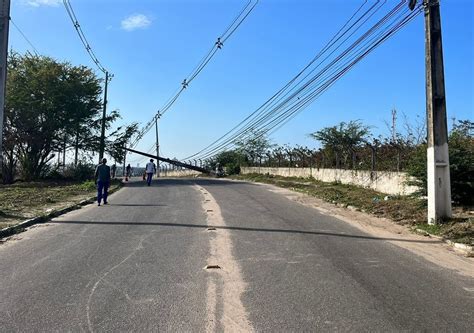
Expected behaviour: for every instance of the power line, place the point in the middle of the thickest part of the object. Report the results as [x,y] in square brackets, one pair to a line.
[24,37]
[276,97]
[249,121]
[82,36]
[284,117]
[278,123]
[270,117]
[235,24]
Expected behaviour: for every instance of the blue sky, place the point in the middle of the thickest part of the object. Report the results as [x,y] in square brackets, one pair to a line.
[151,46]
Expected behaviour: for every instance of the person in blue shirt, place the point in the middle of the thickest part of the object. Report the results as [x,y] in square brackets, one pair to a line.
[102,180]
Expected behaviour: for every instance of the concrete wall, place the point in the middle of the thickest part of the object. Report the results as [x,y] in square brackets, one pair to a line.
[381,181]
[179,173]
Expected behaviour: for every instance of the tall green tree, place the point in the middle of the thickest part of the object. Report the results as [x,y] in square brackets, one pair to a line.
[82,107]
[343,139]
[50,106]
[34,110]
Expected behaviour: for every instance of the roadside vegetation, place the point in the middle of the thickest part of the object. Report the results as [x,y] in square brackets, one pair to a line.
[24,200]
[53,119]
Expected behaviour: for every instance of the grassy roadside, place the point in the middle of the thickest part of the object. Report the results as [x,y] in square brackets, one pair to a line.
[21,201]
[406,210]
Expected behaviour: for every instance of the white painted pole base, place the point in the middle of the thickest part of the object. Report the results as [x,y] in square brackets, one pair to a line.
[439,184]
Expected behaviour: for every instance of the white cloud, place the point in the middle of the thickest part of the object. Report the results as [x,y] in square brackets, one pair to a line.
[37,3]
[135,21]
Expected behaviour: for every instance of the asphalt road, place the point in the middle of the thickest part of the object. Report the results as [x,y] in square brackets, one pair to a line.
[137,264]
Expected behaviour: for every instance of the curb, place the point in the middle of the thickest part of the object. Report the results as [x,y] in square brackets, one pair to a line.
[461,248]
[20,227]
[465,249]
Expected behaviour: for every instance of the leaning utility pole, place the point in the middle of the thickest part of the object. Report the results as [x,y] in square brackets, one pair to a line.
[4,23]
[439,184]
[104,114]
[157,146]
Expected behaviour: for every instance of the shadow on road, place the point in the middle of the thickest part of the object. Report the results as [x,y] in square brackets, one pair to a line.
[202,226]
[137,205]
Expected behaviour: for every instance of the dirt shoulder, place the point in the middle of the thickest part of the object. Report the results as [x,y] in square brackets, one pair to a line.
[21,201]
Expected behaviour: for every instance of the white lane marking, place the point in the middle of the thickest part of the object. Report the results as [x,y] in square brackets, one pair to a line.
[234,317]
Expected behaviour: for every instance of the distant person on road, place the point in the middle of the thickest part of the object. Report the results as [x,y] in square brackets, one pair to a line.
[150,169]
[102,180]
[128,172]
[113,168]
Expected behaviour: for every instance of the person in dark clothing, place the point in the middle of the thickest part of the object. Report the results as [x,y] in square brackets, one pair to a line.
[102,180]
[114,170]
[128,173]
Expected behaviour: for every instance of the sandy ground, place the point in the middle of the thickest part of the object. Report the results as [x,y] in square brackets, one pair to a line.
[229,276]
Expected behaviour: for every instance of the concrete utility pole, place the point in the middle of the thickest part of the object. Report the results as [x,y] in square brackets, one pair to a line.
[157,146]
[439,184]
[104,114]
[4,28]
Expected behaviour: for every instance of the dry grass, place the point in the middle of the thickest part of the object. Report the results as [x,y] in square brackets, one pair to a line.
[21,201]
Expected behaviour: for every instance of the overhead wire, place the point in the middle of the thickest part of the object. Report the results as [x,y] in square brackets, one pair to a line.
[278,123]
[235,24]
[24,36]
[276,117]
[276,97]
[82,36]
[304,102]
[363,53]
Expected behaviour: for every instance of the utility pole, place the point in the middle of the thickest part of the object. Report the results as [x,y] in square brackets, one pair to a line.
[104,114]
[439,184]
[4,27]
[157,145]
[394,125]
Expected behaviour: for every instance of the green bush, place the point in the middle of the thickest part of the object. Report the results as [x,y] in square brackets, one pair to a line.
[232,169]
[82,171]
[229,160]
[88,185]
[461,159]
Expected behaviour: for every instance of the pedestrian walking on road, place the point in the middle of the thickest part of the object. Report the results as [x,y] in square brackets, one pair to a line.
[150,169]
[113,168]
[128,172]
[102,180]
